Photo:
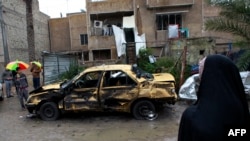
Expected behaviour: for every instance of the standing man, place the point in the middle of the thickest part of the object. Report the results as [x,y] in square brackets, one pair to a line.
[7,79]
[22,86]
[35,70]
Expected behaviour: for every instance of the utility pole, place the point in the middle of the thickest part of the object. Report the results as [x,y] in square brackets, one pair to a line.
[183,63]
[4,37]
[30,30]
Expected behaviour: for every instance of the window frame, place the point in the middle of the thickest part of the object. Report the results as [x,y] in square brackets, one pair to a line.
[84,39]
[170,18]
[93,76]
[117,75]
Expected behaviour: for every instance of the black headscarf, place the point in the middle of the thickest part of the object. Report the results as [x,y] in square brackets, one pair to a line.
[221,103]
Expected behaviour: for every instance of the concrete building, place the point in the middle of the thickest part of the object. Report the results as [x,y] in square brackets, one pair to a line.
[69,35]
[14,31]
[166,26]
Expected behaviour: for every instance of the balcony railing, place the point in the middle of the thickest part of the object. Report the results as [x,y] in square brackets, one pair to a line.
[168,3]
[104,31]
[109,6]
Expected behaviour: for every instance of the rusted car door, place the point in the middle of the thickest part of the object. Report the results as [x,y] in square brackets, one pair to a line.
[117,90]
[84,95]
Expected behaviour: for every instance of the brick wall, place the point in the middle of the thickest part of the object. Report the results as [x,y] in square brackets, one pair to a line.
[14,16]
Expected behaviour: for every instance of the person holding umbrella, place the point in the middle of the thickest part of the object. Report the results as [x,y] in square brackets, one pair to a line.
[36,70]
[9,75]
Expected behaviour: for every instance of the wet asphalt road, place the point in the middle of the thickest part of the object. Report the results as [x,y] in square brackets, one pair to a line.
[15,126]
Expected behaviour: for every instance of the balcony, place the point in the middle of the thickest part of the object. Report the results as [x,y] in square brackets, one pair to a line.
[101,42]
[110,6]
[168,3]
[104,31]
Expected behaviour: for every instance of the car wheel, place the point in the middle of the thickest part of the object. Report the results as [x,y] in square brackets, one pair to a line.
[49,111]
[144,110]
[30,110]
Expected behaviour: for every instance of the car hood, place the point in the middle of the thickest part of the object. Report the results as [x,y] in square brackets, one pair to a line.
[163,77]
[51,86]
[54,86]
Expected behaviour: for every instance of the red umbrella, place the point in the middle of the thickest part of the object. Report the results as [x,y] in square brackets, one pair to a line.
[17,64]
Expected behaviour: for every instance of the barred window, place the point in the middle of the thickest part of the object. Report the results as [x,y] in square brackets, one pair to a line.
[163,20]
[84,39]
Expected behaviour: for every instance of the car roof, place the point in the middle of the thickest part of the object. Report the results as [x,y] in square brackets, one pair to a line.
[126,67]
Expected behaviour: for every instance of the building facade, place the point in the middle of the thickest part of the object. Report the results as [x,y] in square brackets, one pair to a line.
[14,31]
[166,26]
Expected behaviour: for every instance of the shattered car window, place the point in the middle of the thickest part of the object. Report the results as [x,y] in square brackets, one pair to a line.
[117,78]
[141,73]
[88,80]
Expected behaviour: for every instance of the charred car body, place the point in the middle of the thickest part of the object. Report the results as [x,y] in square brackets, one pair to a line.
[122,88]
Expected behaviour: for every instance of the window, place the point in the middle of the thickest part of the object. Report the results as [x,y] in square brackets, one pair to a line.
[104,54]
[84,39]
[84,56]
[163,20]
[89,80]
[117,78]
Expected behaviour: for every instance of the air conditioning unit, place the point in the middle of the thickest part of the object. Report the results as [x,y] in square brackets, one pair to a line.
[97,24]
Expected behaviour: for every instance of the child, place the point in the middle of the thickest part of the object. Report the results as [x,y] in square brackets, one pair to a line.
[22,86]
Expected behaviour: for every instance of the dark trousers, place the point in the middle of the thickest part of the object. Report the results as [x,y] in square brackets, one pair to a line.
[23,96]
[8,85]
[36,83]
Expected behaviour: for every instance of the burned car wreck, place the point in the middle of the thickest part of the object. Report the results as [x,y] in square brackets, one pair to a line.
[122,88]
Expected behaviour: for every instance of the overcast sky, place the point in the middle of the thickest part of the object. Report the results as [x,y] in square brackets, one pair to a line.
[53,8]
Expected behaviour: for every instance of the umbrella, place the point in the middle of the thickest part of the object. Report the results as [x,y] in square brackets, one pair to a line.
[15,64]
[37,63]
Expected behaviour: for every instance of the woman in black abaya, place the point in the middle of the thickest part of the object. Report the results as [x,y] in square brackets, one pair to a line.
[221,103]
